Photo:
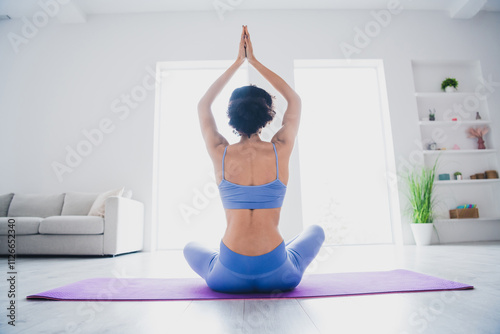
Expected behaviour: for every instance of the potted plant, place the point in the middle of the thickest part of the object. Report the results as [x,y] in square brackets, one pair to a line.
[420,184]
[449,85]
[432,115]
[458,175]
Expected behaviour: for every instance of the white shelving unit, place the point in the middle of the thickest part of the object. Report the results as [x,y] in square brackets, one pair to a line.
[441,94]
[454,123]
[437,152]
[462,182]
[455,113]
[468,219]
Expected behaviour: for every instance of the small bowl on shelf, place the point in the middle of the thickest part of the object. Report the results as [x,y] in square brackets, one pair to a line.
[444,177]
[491,174]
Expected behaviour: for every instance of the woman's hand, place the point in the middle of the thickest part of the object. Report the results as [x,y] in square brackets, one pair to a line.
[248,44]
[242,48]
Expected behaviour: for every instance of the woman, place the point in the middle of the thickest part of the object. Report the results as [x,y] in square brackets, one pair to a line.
[252,176]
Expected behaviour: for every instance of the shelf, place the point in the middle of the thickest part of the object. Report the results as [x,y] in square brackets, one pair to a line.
[477,181]
[444,62]
[446,133]
[459,151]
[451,123]
[467,219]
[443,94]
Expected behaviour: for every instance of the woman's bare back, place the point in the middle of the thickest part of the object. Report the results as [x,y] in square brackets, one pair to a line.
[252,162]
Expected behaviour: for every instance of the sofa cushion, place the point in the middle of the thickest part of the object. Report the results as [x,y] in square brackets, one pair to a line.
[23,225]
[35,205]
[72,225]
[76,203]
[4,204]
[98,207]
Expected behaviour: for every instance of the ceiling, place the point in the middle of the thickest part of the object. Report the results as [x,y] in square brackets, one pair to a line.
[76,10]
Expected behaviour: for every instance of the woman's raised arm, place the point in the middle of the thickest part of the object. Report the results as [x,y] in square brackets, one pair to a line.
[291,120]
[208,126]
[219,84]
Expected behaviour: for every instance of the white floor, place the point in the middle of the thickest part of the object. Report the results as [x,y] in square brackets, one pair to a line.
[468,311]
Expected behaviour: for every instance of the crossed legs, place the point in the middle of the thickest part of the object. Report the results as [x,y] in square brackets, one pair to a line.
[301,250]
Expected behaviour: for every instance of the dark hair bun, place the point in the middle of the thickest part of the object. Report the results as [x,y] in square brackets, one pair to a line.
[250,109]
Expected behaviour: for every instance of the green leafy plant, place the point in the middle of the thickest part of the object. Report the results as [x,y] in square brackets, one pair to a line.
[449,82]
[457,173]
[420,184]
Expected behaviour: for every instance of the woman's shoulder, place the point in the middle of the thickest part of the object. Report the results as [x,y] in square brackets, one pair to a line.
[282,147]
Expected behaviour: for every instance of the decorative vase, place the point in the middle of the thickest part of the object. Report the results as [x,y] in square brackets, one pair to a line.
[478,117]
[422,233]
[480,143]
[450,89]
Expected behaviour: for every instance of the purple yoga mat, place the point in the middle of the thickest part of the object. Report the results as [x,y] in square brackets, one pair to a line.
[319,285]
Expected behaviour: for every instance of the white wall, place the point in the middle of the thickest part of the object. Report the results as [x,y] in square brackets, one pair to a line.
[65,79]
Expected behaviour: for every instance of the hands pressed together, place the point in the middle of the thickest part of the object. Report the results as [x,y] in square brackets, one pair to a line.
[245,49]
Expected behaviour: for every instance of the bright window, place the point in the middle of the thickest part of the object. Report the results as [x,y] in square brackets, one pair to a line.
[344,149]
[344,142]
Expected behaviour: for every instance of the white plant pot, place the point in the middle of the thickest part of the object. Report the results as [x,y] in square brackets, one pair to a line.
[422,233]
[450,89]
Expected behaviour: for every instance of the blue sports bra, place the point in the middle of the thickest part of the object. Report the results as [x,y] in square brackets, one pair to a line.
[265,196]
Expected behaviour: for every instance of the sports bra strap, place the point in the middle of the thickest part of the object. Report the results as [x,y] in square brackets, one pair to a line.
[223,162]
[277,167]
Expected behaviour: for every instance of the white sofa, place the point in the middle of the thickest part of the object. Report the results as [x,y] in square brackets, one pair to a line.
[60,224]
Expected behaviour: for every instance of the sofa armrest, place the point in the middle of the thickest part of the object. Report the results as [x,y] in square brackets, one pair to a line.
[123,225]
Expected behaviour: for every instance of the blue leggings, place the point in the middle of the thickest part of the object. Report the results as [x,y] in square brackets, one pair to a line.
[279,270]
